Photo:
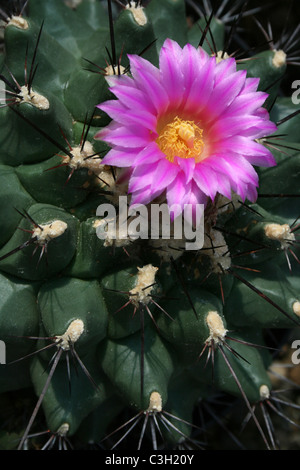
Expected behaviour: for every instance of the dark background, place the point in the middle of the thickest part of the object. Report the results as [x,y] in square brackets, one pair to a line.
[284,18]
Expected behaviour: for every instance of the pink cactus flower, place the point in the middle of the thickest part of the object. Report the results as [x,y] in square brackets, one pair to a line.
[187,129]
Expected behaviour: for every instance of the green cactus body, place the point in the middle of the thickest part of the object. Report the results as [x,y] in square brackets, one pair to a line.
[101,327]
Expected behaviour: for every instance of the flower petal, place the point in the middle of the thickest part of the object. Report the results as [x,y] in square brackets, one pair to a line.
[120,157]
[192,210]
[189,85]
[177,194]
[132,100]
[126,136]
[148,79]
[187,165]
[200,90]
[225,92]
[255,153]
[171,77]
[205,178]
[150,154]
[120,114]
[144,196]
[157,176]
[164,174]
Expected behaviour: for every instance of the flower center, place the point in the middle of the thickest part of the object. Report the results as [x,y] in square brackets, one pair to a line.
[180,138]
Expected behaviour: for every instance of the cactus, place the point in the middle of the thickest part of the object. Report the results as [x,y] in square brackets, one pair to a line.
[111,337]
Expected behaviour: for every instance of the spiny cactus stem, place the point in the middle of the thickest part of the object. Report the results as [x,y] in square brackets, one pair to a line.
[86,129]
[83,367]
[247,343]
[244,395]
[112,35]
[234,26]
[80,156]
[153,414]
[115,70]
[61,434]
[47,232]
[4,15]
[145,281]
[45,348]
[219,255]
[43,133]
[279,59]
[18,248]
[155,402]
[295,227]
[161,309]
[18,22]
[41,235]
[14,86]
[71,335]
[263,296]
[296,308]
[264,391]
[248,208]
[32,70]
[216,327]
[279,146]
[278,80]
[241,237]
[138,12]
[206,29]
[65,343]
[27,216]
[284,235]
[183,284]
[135,419]
[142,359]
[273,402]
[15,95]
[77,156]
[63,429]
[41,397]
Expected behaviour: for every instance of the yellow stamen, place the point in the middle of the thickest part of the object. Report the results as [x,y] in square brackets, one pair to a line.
[180,138]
